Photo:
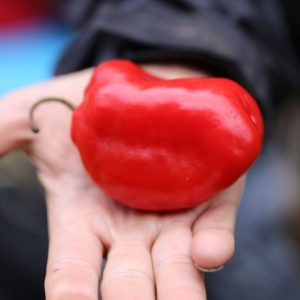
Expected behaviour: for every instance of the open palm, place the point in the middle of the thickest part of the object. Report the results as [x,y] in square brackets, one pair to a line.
[149,256]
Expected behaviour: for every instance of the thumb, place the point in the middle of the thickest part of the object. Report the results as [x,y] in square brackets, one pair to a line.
[14,128]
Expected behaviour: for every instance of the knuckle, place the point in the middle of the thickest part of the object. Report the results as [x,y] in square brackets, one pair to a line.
[181,291]
[69,295]
[125,274]
[71,278]
[174,259]
[69,262]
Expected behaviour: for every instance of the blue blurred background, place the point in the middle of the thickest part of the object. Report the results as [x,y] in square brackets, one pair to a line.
[29,52]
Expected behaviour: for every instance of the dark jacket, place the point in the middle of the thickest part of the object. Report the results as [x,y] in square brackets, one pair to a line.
[253,42]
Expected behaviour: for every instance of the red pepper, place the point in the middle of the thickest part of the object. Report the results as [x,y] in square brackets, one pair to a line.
[157,144]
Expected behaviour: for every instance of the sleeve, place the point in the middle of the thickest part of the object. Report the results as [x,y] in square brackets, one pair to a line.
[247,41]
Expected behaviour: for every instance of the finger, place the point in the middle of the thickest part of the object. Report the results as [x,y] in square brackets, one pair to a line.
[14,129]
[213,241]
[175,274]
[74,264]
[128,273]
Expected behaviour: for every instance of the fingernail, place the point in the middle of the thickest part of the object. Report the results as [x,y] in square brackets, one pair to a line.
[211,270]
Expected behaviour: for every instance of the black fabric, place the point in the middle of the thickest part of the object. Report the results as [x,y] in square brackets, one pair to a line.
[23,230]
[252,42]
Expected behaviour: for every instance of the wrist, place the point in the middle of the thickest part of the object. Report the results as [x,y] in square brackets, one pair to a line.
[174,70]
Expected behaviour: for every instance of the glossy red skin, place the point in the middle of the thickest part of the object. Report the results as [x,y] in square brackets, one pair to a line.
[156,144]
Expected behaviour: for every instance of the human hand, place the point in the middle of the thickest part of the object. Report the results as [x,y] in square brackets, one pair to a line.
[149,255]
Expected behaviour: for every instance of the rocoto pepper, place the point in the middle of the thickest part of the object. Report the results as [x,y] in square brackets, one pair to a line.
[156,144]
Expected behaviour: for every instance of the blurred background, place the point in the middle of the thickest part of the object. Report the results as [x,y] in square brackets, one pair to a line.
[267,260]
[32,38]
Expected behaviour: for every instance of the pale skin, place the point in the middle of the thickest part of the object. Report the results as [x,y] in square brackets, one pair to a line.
[149,256]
